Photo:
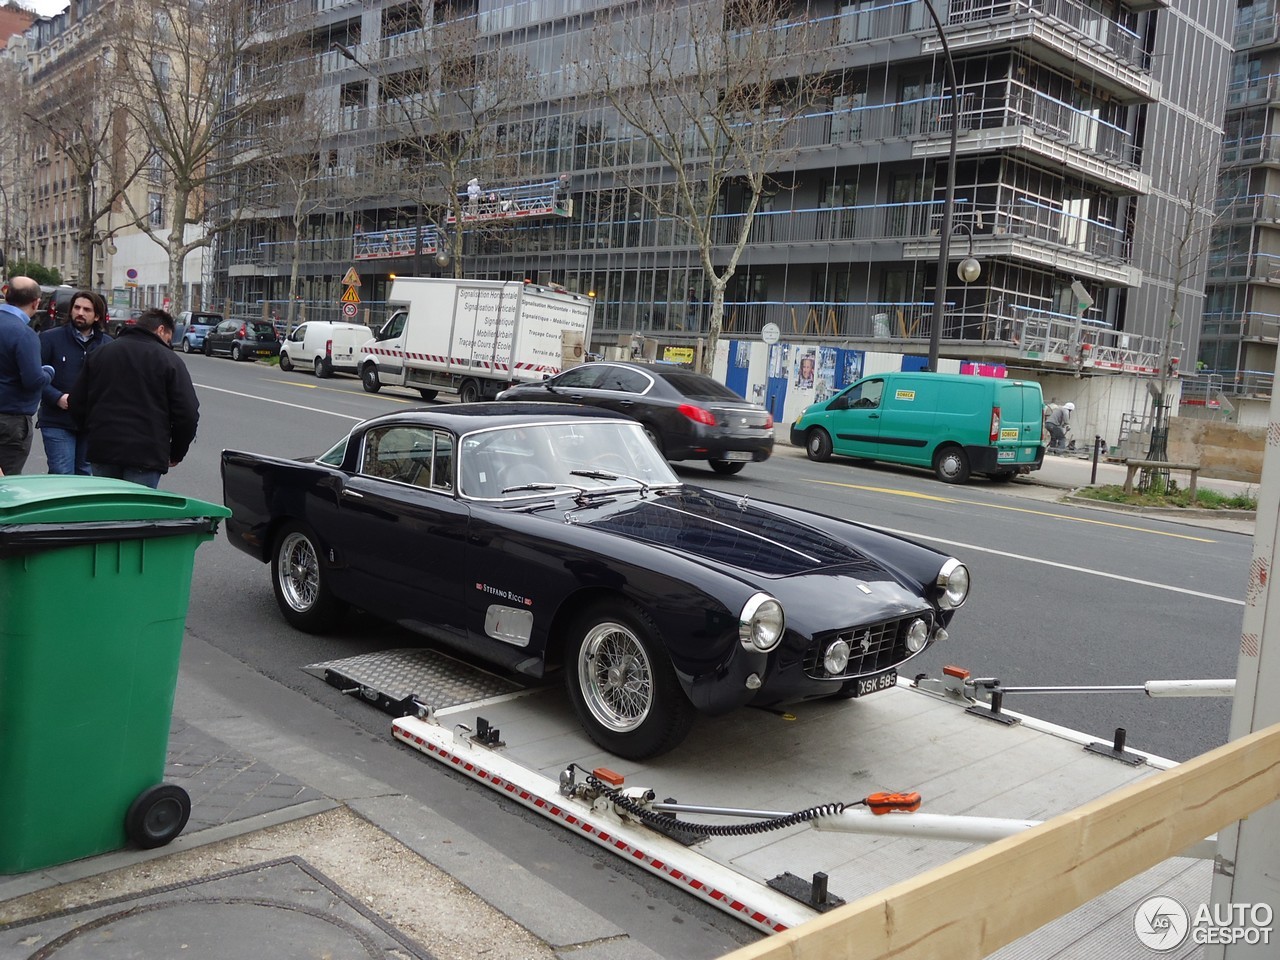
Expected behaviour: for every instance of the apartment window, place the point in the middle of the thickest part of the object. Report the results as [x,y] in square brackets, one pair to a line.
[155,168]
[160,70]
[155,209]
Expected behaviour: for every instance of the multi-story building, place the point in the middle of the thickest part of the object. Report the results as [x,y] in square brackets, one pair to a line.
[80,144]
[1074,117]
[1237,356]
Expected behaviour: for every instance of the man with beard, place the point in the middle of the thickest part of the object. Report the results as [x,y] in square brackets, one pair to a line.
[64,349]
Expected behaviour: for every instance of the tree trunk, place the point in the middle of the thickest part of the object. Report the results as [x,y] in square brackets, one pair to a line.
[84,236]
[177,252]
[715,323]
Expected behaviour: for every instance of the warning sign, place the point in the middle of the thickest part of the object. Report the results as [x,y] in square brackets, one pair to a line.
[352,279]
[351,296]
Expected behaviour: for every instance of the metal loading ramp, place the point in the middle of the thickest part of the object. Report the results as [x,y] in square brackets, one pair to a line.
[820,753]
[390,679]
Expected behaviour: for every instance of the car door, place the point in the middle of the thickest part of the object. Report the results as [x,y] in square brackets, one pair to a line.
[295,345]
[854,419]
[404,531]
[388,346]
[620,389]
[218,340]
[573,386]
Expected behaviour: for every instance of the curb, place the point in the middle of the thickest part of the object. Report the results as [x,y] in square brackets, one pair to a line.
[1198,513]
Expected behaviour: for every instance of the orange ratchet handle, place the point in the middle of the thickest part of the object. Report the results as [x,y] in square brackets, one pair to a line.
[879,803]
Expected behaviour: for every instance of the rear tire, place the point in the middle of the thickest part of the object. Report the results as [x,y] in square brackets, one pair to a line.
[727,467]
[285,363]
[208,348]
[817,445]
[300,580]
[186,344]
[369,379]
[322,369]
[469,392]
[951,464]
[1002,476]
[622,684]
[654,437]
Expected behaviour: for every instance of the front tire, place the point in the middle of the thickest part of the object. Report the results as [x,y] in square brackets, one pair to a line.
[236,355]
[428,394]
[817,445]
[300,579]
[951,464]
[622,684]
[369,379]
[727,467]
[321,368]
[285,363]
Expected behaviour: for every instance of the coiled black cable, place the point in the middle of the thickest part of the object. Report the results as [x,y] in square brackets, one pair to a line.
[666,822]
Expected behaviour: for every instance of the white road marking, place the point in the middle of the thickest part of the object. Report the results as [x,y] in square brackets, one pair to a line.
[283,403]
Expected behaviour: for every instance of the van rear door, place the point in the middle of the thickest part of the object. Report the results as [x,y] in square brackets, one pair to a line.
[1020,404]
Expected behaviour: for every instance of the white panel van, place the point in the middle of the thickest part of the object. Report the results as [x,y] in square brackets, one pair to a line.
[324,348]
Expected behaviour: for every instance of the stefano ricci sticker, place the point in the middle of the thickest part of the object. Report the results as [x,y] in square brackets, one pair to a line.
[508,595]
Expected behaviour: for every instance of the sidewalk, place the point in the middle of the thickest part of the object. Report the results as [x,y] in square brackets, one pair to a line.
[298,847]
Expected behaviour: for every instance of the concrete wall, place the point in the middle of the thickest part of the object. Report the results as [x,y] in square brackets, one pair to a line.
[1225,451]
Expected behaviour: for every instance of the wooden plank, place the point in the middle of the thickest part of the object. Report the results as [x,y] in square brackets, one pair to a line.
[966,909]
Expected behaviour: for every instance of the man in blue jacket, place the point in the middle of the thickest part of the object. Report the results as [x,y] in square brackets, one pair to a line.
[64,348]
[21,378]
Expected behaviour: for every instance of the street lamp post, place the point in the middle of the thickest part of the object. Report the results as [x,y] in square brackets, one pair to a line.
[949,197]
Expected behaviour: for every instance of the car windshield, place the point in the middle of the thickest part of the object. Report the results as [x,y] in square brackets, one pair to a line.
[544,457]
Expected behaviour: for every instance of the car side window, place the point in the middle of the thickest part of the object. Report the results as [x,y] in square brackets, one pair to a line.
[578,378]
[228,326]
[865,396]
[624,380]
[299,334]
[394,327]
[409,454]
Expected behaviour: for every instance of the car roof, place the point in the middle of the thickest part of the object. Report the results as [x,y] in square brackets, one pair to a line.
[463,418]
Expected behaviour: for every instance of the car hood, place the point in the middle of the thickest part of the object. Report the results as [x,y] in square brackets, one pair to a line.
[726,532]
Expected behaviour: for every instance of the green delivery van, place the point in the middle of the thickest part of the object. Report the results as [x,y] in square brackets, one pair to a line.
[954,424]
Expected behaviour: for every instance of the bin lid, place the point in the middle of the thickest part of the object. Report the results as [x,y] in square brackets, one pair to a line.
[61,499]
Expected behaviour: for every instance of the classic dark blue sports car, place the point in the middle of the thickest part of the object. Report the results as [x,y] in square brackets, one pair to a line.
[544,537]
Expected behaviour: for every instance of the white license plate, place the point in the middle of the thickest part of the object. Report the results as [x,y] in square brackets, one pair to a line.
[881,681]
[1006,455]
[738,455]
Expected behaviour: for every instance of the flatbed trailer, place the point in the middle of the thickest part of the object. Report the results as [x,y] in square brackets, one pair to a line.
[994,775]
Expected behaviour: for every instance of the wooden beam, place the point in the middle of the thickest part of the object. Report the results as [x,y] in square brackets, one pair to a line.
[966,909]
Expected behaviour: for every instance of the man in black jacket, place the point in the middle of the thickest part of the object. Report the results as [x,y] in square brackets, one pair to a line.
[136,402]
[65,348]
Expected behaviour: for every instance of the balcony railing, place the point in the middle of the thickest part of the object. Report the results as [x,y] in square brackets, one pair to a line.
[1251,149]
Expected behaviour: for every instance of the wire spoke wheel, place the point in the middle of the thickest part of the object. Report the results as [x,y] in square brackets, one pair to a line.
[616,677]
[299,574]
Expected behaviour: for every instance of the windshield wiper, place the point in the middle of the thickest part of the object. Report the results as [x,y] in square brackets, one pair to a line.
[645,487]
[542,486]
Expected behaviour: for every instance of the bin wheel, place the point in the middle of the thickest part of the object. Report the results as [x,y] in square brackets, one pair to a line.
[157,815]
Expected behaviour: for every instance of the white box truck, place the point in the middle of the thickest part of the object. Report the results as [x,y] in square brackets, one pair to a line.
[472,337]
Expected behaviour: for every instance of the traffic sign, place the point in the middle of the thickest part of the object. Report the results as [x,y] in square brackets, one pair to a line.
[351,296]
[770,333]
[352,279]
[349,310]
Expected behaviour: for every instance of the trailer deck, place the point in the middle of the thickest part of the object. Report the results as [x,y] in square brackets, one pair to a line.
[819,753]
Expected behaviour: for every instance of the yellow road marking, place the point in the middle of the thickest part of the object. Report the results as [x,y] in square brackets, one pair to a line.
[998,506]
[316,386]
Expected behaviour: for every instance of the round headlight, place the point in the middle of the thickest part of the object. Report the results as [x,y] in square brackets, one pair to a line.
[953,579]
[761,623]
[917,635]
[836,658]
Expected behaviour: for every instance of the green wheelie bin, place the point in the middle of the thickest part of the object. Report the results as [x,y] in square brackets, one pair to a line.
[95,577]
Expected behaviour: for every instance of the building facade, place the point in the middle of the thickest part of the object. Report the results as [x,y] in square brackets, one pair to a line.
[1071,115]
[1237,356]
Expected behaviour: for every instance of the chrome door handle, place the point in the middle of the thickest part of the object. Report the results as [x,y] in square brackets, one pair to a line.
[352,493]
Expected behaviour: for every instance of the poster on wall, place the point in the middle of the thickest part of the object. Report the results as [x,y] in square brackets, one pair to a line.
[806,363]
[852,366]
[779,355]
[825,381]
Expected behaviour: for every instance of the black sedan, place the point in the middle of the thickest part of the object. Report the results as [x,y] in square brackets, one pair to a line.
[242,340]
[687,415]
[543,537]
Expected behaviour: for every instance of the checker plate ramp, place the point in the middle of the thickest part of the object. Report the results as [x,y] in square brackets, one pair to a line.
[390,678]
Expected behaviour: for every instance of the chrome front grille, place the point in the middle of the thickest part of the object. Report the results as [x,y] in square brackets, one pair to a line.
[872,647]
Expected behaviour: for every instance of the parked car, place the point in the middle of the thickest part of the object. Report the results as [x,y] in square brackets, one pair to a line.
[57,306]
[324,348]
[190,327]
[955,424]
[242,340]
[572,545]
[687,415]
[119,321]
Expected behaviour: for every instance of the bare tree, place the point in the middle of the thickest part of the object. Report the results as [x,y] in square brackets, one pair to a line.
[185,67]
[717,89]
[77,116]
[444,90]
[291,157]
